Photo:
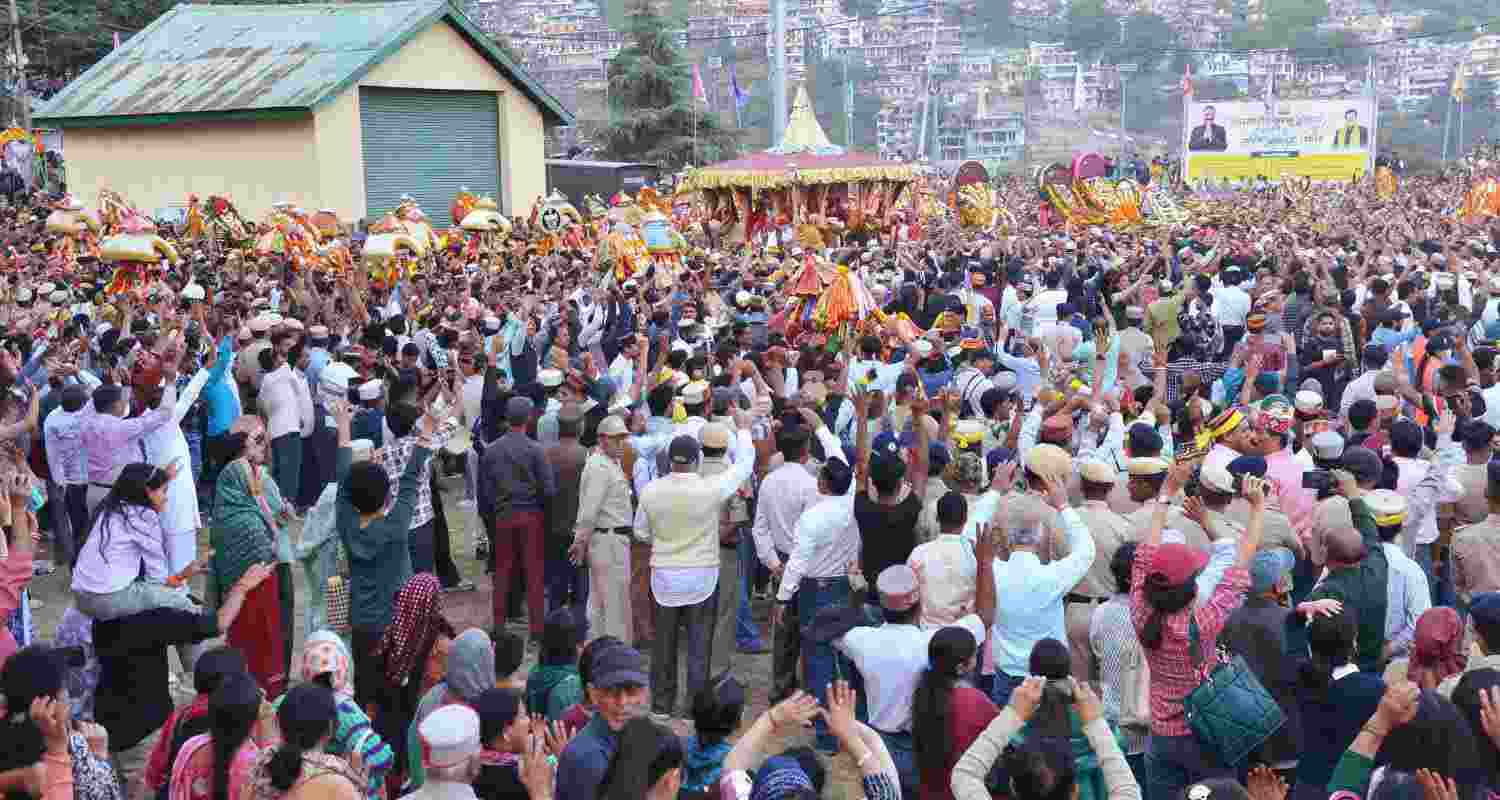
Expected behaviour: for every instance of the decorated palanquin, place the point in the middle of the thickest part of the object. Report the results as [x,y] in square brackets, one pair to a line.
[622,252]
[77,233]
[287,233]
[555,222]
[136,249]
[479,225]
[1386,183]
[217,220]
[1482,200]
[805,183]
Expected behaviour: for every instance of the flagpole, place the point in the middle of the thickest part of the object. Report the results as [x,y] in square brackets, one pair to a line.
[1447,121]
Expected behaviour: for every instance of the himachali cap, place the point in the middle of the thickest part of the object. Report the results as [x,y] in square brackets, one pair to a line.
[1388,507]
[1327,446]
[1097,472]
[1049,460]
[1216,477]
[612,425]
[550,378]
[1146,466]
[695,393]
[370,390]
[449,736]
[1308,402]
[897,585]
[715,435]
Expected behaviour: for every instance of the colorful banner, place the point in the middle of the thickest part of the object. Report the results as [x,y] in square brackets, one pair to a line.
[1319,139]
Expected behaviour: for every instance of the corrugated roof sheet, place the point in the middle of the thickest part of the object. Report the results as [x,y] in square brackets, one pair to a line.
[198,59]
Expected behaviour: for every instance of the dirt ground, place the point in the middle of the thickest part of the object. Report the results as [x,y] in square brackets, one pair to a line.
[464,609]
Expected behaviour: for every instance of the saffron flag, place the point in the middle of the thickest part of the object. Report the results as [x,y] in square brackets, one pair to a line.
[698,93]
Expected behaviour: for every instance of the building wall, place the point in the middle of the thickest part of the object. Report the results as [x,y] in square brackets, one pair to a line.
[436,59]
[255,163]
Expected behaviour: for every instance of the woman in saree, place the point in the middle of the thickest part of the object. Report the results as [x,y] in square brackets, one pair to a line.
[247,508]
[216,765]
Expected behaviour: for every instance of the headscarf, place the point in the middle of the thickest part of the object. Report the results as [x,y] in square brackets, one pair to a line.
[471,665]
[418,620]
[1437,650]
[325,653]
[244,533]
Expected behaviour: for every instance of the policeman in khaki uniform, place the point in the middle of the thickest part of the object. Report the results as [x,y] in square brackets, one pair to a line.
[1109,530]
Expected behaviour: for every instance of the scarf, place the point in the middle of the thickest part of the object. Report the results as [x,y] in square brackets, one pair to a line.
[1437,648]
[418,620]
[244,531]
[325,653]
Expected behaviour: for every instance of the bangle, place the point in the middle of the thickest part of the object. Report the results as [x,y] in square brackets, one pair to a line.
[1373,731]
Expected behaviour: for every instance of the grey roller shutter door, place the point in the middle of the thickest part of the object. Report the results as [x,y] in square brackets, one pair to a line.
[427,144]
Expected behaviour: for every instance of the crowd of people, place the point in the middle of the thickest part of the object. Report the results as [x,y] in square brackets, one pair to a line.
[1195,511]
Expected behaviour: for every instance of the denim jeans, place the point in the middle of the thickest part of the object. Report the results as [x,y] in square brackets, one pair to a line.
[746,633]
[697,622]
[904,756]
[1003,686]
[135,598]
[1174,762]
[1439,579]
[821,664]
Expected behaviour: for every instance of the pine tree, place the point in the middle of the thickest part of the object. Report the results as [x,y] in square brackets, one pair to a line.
[652,114]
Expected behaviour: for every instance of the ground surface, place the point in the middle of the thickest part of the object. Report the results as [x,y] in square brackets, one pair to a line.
[464,610]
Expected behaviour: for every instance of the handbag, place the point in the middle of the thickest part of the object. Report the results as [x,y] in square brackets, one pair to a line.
[1230,712]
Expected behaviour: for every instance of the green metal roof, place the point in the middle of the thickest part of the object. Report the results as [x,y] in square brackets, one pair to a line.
[259,61]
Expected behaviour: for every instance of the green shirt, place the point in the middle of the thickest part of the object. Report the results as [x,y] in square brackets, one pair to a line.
[379,562]
[1363,588]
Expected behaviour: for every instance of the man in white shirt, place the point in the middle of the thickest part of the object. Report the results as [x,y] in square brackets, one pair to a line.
[1408,595]
[1032,606]
[1425,484]
[825,542]
[1231,306]
[892,657]
[1044,305]
[281,402]
[62,435]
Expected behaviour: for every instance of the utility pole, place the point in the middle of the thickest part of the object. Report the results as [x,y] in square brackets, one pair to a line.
[848,107]
[18,56]
[778,71]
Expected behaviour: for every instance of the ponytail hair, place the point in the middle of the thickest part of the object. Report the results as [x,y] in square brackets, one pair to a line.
[233,709]
[1330,644]
[306,716]
[645,754]
[947,652]
[1164,599]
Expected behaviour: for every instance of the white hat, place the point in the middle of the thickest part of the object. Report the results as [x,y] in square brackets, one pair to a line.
[1215,476]
[194,292]
[620,403]
[550,378]
[695,393]
[24,294]
[450,736]
[612,425]
[922,348]
[360,450]
[370,390]
[338,375]
[1307,402]
[58,296]
[741,297]
[1096,472]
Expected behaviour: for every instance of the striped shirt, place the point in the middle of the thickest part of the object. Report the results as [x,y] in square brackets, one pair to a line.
[1112,637]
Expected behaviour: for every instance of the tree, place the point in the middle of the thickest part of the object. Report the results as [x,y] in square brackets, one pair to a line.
[826,84]
[1091,29]
[650,88]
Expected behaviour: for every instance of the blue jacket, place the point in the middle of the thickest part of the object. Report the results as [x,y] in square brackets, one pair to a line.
[219,398]
[580,771]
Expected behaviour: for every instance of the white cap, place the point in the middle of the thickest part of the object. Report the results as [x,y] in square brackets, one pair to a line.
[550,378]
[922,348]
[338,375]
[449,736]
[194,292]
[58,296]
[1307,402]
[370,390]
[695,393]
[1216,477]
[360,450]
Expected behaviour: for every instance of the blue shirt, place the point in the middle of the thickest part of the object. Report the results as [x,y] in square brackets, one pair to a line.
[580,771]
[218,397]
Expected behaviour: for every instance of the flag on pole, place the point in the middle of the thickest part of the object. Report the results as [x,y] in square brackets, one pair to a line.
[1187,81]
[1078,87]
[1458,84]
[698,92]
[740,98]
[117,40]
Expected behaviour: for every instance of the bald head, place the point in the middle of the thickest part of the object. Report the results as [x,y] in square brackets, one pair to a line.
[1345,546]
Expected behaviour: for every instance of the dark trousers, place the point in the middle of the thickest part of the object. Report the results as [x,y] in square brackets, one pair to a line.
[369,679]
[75,505]
[786,653]
[697,621]
[442,549]
[821,662]
[1175,762]
[1232,336]
[419,545]
[518,540]
[286,465]
[567,584]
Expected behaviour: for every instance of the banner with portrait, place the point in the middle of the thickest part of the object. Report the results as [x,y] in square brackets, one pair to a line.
[1332,139]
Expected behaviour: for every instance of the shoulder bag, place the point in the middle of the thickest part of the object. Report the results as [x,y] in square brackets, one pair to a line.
[1230,712]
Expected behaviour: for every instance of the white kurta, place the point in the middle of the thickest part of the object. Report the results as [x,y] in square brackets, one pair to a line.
[163,445]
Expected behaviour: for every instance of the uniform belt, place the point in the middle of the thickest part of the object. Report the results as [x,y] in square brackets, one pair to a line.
[624,530]
[1082,598]
[102,485]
